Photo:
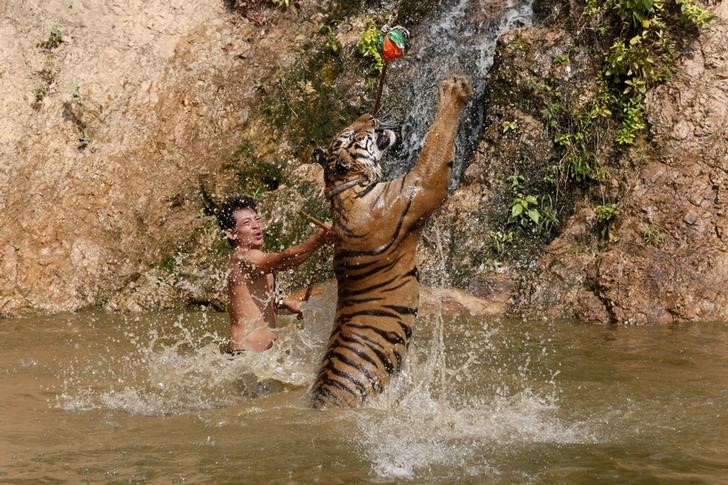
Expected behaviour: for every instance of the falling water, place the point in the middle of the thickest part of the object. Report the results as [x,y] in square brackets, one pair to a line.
[460,40]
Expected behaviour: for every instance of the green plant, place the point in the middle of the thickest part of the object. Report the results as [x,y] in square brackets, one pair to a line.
[516,182]
[551,114]
[283,4]
[525,209]
[168,265]
[641,54]
[507,126]
[548,220]
[651,234]
[54,40]
[499,240]
[83,140]
[48,73]
[367,46]
[605,213]
[80,115]
[561,59]
[694,14]
[333,46]
[634,121]
[38,95]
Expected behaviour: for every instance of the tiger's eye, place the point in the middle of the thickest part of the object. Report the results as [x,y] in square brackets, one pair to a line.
[341,168]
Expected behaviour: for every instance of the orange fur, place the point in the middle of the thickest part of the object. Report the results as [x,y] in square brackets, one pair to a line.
[378,227]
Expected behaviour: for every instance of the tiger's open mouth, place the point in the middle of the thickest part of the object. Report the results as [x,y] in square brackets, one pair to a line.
[385,139]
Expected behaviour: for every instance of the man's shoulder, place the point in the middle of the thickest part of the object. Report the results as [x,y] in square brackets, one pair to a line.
[247,259]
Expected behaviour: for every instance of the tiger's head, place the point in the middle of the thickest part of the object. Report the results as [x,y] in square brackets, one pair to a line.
[355,152]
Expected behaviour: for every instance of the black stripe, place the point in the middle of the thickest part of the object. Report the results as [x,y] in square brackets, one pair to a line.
[320,390]
[406,329]
[385,247]
[368,289]
[386,362]
[359,386]
[339,385]
[372,271]
[398,357]
[404,282]
[373,380]
[371,313]
[359,353]
[346,264]
[402,310]
[391,337]
[362,340]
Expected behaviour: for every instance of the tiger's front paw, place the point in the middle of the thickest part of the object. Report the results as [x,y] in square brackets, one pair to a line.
[456,89]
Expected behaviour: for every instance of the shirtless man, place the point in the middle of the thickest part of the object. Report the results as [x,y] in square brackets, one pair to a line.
[250,282]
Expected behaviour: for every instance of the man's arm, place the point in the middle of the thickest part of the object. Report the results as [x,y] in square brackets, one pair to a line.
[264,263]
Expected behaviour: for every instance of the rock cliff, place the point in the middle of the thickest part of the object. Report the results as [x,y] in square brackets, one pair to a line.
[124,122]
[667,258]
[113,114]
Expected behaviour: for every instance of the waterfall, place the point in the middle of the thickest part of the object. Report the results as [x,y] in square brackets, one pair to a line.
[460,38]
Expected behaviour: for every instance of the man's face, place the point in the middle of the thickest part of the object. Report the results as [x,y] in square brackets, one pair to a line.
[248,229]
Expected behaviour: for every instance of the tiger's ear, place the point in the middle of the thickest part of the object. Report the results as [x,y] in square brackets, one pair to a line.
[319,156]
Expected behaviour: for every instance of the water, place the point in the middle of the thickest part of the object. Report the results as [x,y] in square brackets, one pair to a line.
[98,397]
[459,39]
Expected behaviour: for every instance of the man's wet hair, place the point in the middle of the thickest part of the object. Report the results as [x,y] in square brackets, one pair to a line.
[227,209]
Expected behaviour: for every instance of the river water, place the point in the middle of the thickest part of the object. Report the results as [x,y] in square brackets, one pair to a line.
[101,397]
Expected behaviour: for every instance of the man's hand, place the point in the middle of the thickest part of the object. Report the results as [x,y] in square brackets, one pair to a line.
[293,306]
[327,236]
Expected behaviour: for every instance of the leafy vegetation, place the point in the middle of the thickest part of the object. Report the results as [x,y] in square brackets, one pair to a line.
[499,240]
[256,173]
[54,40]
[638,42]
[309,101]
[81,116]
[652,235]
[284,4]
[591,122]
[605,213]
[642,50]
[367,47]
[48,74]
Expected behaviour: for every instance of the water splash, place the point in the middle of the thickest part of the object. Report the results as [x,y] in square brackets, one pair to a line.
[421,433]
[176,367]
[459,418]
[438,412]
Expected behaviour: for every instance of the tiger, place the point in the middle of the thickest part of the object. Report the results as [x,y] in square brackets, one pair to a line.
[378,226]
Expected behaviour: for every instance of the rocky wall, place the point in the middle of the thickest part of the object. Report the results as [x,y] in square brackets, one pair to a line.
[113,114]
[667,258]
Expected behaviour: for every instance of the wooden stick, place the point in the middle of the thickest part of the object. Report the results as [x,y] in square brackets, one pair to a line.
[313,220]
[379,89]
[311,283]
[322,225]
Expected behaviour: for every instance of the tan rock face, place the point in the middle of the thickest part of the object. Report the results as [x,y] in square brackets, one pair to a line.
[107,136]
[672,259]
[668,260]
[104,136]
